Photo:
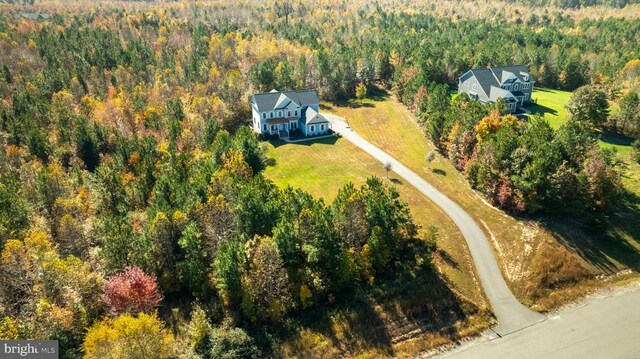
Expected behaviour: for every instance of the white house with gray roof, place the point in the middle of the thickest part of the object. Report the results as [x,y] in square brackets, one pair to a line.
[512,83]
[279,113]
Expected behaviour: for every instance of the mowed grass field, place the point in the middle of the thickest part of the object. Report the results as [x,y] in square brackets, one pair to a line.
[522,245]
[550,104]
[322,167]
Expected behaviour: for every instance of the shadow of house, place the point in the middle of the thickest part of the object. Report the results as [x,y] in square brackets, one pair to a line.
[325,141]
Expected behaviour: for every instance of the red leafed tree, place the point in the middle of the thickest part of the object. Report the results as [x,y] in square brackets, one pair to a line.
[132,291]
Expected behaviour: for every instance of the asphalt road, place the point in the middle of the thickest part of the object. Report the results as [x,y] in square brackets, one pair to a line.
[606,326]
[511,314]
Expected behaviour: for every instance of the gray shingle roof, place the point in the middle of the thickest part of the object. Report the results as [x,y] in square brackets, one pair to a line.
[272,100]
[31,15]
[492,78]
[311,116]
[486,80]
[497,92]
[503,72]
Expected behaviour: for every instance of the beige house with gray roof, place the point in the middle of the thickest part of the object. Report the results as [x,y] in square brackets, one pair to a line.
[511,83]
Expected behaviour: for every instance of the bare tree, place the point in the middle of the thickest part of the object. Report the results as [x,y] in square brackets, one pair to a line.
[284,8]
[430,157]
[387,167]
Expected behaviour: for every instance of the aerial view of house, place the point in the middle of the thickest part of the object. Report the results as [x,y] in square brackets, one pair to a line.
[280,113]
[299,179]
[511,83]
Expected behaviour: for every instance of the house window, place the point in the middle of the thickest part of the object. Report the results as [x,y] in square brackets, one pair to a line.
[279,113]
[516,87]
[321,127]
[526,96]
[295,113]
[313,128]
[264,115]
[273,127]
[271,115]
[474,87]
[265,127]
[288,113]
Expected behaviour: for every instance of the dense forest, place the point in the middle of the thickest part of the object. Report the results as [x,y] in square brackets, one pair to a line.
[129,181]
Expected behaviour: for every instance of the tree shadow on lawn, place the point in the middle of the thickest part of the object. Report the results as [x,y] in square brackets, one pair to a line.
[439,171]
[616,139]
[609,242]
[409,299]
[537,109]
[543,89]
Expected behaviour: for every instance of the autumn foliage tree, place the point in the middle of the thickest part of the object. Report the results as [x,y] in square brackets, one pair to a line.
[143,337]
[132,291]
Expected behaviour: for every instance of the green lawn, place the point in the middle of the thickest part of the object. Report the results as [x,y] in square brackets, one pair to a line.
[550,103]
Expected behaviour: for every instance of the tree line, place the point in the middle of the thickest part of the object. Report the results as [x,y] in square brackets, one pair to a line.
[525,166]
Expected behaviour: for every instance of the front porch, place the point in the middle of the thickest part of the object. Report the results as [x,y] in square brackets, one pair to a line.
[281,126]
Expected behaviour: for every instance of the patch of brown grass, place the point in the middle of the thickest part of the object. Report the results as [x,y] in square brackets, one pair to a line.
[552,268]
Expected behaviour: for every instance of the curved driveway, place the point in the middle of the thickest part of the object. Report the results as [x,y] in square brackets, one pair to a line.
[511,314]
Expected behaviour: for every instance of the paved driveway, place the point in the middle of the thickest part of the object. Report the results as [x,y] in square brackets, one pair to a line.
[511,314]
[605,326]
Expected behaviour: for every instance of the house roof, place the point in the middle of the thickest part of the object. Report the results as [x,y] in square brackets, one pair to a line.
[275,99]
[277,121]
[486,80]
[498,92]
[503,73]
[312,116]
[492,78]
[31,15]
